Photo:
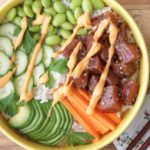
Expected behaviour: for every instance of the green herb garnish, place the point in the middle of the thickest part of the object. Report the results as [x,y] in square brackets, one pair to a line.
[17,31]
[28,43]
[8,105]
[78,138]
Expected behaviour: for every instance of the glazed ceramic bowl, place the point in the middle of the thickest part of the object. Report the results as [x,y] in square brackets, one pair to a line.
[144,79]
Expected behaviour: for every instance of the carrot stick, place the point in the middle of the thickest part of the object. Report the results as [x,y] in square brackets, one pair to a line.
[99,116]
[99,127]
[111,116]
[87,126]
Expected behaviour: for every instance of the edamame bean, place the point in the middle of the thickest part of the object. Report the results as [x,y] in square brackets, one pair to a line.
[20,12]
[58,19]
[28,2]
[34,29]
[46,3]
[28,11]
[67,26]
[70,17]
[11,14]
[51,28]
[52,40]
[75,4]
[17,21]
[78,12]
[59,7]
[62,42]
[36,36]
[52,32]
[51,11]
[97,4]
[64,33]
[87,6]
[36,6]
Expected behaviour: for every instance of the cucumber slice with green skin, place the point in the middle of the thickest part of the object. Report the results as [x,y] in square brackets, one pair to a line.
[34,121]
[39,57]
[32,115]
[39,122]
[4,64]
[21,62]
[8,29]
[21,117]
[19,82]
[49,123]
[57,134]
[7,90]
[38,72]
[6,46]
[48,54]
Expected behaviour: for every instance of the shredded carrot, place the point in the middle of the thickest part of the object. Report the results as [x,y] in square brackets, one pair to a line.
[87,126]
[77,99]
[113,117]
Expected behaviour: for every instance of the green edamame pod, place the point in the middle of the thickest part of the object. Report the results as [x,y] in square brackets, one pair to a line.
[46,3]
[52,40]
[78,12]
[59,7]
[67,26]
[58,19]
[97,4]
[11,14]
[87,6]
[64,33]
[28,2]
[75,4]
[36,6]
[20,12]
[70,17]
[28,11]
[34,29]
[36,36]
[17,21]
[51,11]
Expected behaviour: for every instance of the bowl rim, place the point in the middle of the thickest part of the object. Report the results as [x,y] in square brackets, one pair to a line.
[144,81]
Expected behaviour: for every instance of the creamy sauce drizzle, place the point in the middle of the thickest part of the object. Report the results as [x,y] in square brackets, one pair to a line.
[6,78]
[19,39]
[27,96]
[83,21]
[39,19]
[98,91]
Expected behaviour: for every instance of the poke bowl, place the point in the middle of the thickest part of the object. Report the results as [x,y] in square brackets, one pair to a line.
[73,74]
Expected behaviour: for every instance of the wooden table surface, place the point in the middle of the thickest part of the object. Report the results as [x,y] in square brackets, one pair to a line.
[140,10]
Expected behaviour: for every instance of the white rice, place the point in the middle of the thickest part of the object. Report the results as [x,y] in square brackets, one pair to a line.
[77,127]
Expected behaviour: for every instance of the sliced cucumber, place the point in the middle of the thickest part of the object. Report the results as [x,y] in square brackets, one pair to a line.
[39,57]
[4,64]
[21,62]
[19,82]
[6,46]
[7,90]
[8,29]
[38,72]
[21,117]
[48,54]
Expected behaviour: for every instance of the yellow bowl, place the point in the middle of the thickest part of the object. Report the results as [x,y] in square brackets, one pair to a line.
[144,79]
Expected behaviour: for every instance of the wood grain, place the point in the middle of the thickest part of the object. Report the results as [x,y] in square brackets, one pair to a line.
[140,10]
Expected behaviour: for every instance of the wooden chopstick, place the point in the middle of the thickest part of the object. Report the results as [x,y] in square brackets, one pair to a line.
[145,145]
[139,136]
